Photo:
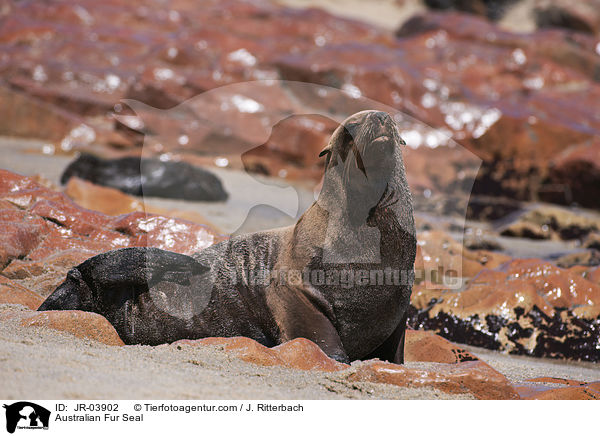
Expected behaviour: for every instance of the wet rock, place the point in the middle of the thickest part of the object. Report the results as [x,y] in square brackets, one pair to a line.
[298,140]
[298,353]
[46,234]
[579,16]
[527,306]
[541,98]
[577,172]
[149,177]
[524,132]
[85,325]
[21,115]
[13,293]
[473,377]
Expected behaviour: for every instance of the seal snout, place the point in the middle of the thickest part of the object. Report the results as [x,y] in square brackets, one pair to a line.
[381,126]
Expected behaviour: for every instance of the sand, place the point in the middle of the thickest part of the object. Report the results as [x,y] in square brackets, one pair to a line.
[39,363]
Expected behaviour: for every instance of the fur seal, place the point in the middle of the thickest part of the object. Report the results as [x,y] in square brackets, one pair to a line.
[137,176]
[341,276]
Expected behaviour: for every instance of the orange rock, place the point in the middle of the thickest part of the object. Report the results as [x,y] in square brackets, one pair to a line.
[45,274]
[298,353]
[545,388]
[85,325]
[301,353]
[113,202]
[560,381]
[527,306]
[100,198]
[11,292]
[245,348]
[585,391]
[475,378]
[426,346]
[438,255]
[525,283]
[594,275]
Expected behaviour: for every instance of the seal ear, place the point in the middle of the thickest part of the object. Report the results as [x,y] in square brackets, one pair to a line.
[327,151]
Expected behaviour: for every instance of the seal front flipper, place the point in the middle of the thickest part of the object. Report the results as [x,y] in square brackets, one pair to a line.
[298,317]
[392,348]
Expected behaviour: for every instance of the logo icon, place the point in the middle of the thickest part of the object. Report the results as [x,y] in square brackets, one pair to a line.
[26,415]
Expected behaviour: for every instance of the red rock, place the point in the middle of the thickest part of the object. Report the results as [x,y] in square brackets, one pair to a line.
[439,255]
[475,378]
[45,274]
[425,346]
[165,233]
[109,201]
[85,325]
[46,234]
[303,354]
[439,73]
[22,115]
[245,348]
[594,275]
[528,120]
[517,101]
[582,160]
[298,353]
[11,292]
[540,284]
[298,140]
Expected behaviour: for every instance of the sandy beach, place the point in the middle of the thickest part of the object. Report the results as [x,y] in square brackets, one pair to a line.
[46,364]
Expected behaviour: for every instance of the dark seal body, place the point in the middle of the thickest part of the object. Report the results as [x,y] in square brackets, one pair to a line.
[150,177]
[341,276]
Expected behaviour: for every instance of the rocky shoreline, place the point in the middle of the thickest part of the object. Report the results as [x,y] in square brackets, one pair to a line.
[503,154]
